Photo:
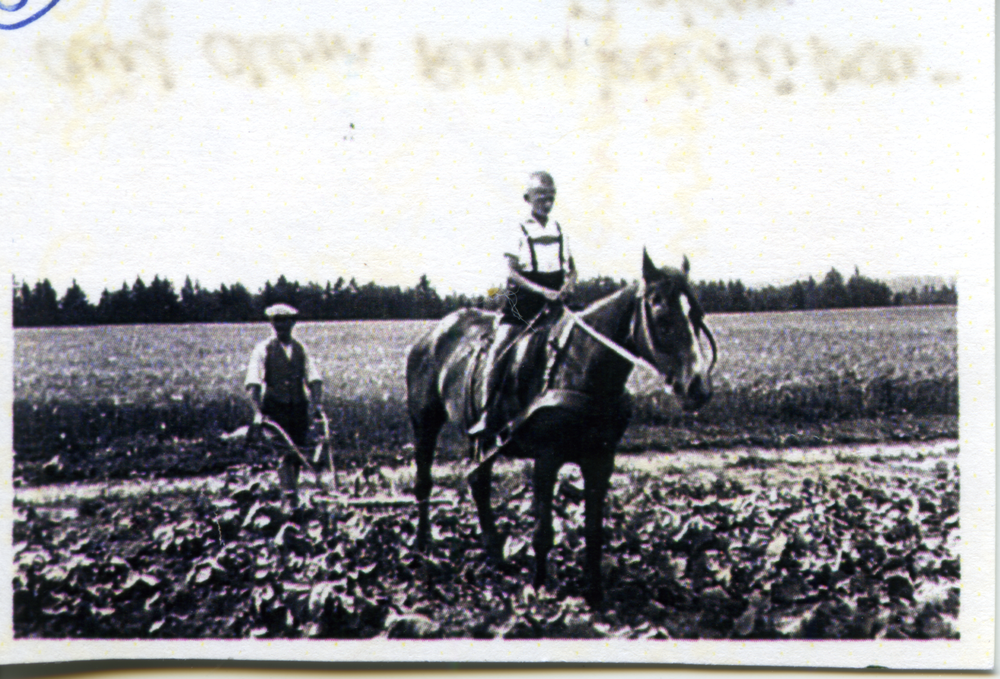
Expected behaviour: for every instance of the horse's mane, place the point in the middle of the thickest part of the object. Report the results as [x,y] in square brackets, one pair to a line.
[597,310]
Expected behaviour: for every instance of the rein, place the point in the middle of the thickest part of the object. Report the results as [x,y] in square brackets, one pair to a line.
[643,320]
[637,361]
[699,326]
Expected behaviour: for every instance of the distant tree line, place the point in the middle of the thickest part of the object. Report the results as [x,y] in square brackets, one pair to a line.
[832,293]
[159,302]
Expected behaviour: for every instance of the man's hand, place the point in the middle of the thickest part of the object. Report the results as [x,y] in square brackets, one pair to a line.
[254,392]
[315,398]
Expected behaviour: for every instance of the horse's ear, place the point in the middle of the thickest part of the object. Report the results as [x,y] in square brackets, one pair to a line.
[649,271]
[686,266]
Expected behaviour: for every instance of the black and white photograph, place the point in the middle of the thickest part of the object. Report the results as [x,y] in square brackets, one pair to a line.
[598,331]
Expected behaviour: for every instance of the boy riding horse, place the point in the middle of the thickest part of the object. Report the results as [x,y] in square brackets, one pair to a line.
[538,275]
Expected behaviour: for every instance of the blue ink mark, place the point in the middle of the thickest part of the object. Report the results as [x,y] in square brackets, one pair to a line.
[24,22]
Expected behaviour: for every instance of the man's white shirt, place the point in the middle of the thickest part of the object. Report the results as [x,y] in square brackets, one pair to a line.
[258,362]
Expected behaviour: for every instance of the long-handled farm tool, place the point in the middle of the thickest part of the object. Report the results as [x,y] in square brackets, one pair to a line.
[328,479]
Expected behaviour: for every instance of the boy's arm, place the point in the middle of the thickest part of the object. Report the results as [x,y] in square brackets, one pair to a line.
[517,253]
[523,282]
[570,283]
[571,277]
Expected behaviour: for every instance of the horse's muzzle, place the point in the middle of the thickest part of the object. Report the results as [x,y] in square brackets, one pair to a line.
[697,394]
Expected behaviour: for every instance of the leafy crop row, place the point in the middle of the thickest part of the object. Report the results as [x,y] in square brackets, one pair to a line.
[761,548]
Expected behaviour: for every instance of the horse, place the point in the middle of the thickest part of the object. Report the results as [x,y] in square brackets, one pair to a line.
[574,410]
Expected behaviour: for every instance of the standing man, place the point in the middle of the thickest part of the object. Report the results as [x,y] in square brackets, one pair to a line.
[281,381]
[538,273]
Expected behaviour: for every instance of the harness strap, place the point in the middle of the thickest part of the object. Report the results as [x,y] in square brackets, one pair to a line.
[550,398]
[637,361]
[555,356]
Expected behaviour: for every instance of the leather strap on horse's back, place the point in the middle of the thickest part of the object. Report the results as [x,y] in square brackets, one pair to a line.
[477,352]
[550,398]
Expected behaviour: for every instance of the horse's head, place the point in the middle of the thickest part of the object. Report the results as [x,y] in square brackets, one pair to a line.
[666,331]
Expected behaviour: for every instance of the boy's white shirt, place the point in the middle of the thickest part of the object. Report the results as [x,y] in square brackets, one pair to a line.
[516,246]
[546,254]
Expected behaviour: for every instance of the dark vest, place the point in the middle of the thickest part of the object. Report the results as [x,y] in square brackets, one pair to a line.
[285,377]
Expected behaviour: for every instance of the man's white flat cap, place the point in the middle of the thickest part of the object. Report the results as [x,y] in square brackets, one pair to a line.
[276,310]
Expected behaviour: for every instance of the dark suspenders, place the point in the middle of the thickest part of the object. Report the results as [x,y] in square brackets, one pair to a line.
[562,264]
[531,248]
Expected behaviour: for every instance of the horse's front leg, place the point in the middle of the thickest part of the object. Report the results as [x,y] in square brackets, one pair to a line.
[596,472]
[481,484]
[546,469]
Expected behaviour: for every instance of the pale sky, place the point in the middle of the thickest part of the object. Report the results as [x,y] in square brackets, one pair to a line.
[766,143]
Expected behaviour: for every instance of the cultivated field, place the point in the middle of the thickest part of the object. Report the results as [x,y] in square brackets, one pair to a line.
[101,399]
[752,519]
[851,542]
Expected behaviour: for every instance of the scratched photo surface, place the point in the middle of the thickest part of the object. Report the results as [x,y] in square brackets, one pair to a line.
[736,255]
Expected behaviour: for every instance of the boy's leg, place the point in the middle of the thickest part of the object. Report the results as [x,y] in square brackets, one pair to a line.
[505,332]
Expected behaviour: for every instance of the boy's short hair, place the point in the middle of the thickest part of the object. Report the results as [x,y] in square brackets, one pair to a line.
[539,180]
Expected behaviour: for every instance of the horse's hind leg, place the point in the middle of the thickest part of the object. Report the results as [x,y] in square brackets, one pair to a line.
[481,484]
[426,426]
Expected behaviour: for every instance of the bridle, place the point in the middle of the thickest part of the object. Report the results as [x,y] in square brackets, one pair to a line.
[697,317]
[640,336]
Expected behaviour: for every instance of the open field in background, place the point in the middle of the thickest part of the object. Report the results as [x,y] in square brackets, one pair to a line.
[113,401]
[845,542]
